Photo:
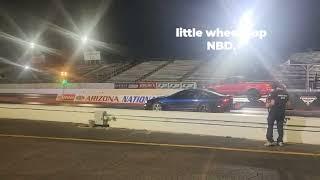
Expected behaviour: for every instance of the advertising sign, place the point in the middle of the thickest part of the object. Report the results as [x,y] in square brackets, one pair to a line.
[308,99]
[176,85]
[65,97]
[113,99]
[143,85]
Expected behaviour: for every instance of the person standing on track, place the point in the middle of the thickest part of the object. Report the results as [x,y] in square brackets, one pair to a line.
[276,103]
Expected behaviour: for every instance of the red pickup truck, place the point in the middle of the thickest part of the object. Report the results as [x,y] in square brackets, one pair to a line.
[237,86]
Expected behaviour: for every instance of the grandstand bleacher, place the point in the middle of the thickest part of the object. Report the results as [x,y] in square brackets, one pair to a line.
[100,73]
[295,76]
[294,72]
[207,72]
[138,71]
[291,74]
[173,71]
[83,69]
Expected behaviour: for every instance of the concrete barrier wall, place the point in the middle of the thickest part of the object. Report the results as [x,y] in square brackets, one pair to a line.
[298,129]
[58,86]
[92,91]
[46,113]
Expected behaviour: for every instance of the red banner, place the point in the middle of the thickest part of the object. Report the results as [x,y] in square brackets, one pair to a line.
[65,97]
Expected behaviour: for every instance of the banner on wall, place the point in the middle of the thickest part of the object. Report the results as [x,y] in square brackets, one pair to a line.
[158,85]
[143,85]
[65,97]
[106,99]
[305,100]
[176,85]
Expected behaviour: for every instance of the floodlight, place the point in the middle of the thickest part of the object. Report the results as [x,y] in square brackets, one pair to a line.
[245,28]
[31,45]
[84,39]
[64,74]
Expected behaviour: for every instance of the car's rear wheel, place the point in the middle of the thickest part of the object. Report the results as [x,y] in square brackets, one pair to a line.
[157,107]
[253,95]
[204,108]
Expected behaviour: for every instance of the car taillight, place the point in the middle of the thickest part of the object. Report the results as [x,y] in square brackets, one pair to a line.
[226,100]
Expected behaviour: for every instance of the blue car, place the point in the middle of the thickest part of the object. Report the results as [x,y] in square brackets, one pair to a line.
[192,100]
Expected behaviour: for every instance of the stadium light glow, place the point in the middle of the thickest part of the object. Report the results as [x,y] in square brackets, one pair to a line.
[84,39]
[245,28]
[63,74]
[31,45]
[26,67]
[64,79]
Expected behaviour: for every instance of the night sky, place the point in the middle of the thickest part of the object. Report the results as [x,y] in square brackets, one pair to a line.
[146,28]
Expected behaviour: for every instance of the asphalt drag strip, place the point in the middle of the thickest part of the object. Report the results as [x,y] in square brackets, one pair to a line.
[50,150]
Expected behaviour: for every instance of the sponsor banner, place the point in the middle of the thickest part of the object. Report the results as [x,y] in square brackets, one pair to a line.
[176,85]
[65,97]
[133,86]
[159,85]
[308,99]
[304,100]
[116,99]
[136,99]
[114,96]
[188,85]
[97,99]
[121,85]
[145,85]
[162,85]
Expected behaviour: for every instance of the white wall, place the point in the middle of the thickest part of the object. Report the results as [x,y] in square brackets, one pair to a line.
[58,86]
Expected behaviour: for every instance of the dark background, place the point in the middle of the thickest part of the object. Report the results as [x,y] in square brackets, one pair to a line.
[146,28]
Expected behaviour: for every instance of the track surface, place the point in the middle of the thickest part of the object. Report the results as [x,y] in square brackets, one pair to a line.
[49,150]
